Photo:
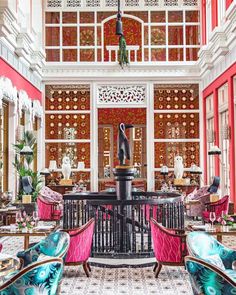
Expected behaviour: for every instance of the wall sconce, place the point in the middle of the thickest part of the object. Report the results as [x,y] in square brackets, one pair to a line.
[80,166]
[26,151]
[45,172]
[214,150]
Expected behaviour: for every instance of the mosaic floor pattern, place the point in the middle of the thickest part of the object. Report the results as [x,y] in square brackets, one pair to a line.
[118,281]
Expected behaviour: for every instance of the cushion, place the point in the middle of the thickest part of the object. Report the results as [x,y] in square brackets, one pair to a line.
[215,260]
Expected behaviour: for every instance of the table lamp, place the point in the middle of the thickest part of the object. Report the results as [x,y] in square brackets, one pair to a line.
[214,150]
[164,171]
[52,165]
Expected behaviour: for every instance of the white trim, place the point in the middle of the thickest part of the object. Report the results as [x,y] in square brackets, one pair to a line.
[68,140]
[8,91]
[177,140]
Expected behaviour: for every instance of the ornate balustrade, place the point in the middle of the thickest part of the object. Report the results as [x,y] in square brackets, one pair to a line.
[122,227]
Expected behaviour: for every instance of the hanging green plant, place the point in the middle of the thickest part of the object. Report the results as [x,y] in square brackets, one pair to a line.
[123,53]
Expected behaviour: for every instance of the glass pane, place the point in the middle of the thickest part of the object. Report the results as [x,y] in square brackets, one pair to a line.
[158,35]
[99,36]
[86,17]
[192,16]
[69,17]
[192,53]
[175,16]
[175,35]
[176,54]
[143,15]
[158,17]
[99,55]
[69,36]
[166,151]
[52,17]
[78,152]
[176,125]
[86,36]
[52,55]
[192,35]
[146,35]
[86,54]
[146,54]
[70,126]
[52,36]
[158,54]
[69,54]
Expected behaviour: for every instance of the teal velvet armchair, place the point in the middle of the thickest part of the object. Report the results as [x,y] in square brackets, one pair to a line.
[55,245]
[40,278]
[210,265]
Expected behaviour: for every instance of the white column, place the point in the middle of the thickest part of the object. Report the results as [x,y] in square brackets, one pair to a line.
[201,134]
[12,174]
[150,138]
[94,139]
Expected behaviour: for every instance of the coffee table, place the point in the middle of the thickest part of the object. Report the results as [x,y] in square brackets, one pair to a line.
[36,232]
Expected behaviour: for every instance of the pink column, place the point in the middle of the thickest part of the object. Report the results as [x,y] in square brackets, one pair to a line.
[214,14]
[227,3]
[231,139]
[216,129]
[205,140]
[203,22]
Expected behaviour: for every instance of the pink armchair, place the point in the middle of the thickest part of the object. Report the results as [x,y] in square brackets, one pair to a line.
[218,207]
[0,247]
[169,247]
[48,211]
[80,245]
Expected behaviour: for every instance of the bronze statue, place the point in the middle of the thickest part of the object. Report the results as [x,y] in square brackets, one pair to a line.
[123,143]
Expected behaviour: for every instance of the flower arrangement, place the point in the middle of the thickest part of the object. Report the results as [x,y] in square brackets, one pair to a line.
[25,222]
[226,220]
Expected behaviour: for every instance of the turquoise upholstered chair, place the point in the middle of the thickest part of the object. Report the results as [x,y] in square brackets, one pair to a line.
[39,278]
[55,245]
[210,265]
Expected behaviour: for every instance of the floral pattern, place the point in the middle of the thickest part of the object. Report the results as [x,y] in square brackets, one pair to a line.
[36,279]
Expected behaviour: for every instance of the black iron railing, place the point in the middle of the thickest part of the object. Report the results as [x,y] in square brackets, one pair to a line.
[122,227]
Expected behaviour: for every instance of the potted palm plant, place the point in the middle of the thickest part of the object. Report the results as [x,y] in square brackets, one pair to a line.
[23,165]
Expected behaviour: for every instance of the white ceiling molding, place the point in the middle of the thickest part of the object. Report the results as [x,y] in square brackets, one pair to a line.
[25,103]
[7,90]
[37,109]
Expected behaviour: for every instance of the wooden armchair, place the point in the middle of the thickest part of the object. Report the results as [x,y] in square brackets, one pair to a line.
[169,247]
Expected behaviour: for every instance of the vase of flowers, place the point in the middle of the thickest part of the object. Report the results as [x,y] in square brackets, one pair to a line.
[24,222]
[226,221]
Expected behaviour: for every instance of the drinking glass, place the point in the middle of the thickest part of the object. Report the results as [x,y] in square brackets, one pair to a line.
[212,218]
[18,216]
[36,217]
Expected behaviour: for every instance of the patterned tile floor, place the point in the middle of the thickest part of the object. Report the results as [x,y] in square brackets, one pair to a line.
[118,281]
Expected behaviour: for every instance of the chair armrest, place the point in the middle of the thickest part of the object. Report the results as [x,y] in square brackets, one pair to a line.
[211,267]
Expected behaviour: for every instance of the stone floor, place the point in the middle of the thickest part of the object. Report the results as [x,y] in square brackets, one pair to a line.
[116,280]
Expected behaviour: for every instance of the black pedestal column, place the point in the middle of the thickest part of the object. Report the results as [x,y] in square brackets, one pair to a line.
[124,176]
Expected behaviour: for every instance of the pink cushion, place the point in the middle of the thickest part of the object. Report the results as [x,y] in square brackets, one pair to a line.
[50,195]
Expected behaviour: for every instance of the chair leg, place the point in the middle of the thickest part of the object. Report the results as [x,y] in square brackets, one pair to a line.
[88,266]
[85,267]
[159,266]
[155,266]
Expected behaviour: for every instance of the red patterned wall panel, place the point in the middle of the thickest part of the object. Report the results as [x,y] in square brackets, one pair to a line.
[52,54]
[102,15]
[158,35]
[69,36]
[166,151]
[52,18]
[69,17]
[69,55]
[58,126]
[158,54]
[192,54]
[52,36]
[192,35]
[192,16]
[87,55]
[175,16]
[176,125]
[176,97]
[86,36]
[115,116]
[132,32]
[175,35]
[158,16]
[143,15]
[86,17]
[69,100]
[79,152]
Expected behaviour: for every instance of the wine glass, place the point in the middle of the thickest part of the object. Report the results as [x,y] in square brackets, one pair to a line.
[212,218]
[36,217]
[18,216]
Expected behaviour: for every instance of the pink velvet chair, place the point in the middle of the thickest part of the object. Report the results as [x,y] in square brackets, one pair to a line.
[48,211]
[218,207]
[0,247]
[169,247]
[80,245]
